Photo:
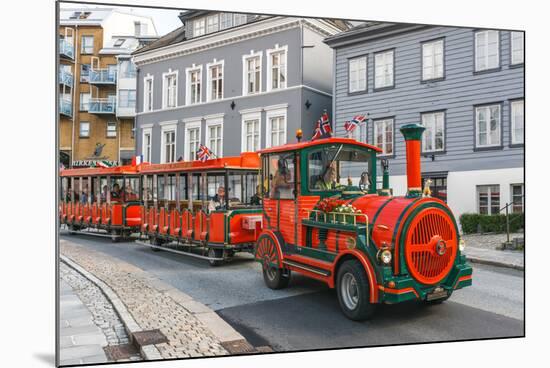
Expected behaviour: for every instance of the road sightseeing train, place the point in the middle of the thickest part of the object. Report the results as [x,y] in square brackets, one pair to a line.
[308,207]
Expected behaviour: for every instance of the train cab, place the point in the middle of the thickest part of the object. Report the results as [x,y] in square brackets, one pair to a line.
[101,201]
[206,209]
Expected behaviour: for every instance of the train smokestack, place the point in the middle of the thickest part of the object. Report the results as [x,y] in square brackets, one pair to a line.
[413,134]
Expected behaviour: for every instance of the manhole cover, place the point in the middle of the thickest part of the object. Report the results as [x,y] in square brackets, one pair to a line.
[119,352]
[238,347]
[149,337]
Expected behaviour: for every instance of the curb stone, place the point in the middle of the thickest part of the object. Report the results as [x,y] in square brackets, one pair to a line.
[495,263]
[149,352]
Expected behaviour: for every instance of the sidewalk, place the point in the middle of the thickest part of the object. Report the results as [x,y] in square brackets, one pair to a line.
[165,322]
[480,248]
[81,340]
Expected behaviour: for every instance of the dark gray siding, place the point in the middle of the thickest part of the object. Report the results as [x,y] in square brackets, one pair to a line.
[457,94]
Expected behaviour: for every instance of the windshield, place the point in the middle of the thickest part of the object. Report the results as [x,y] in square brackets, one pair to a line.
[335,167]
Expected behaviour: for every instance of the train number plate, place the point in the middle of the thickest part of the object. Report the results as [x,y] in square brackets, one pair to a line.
[438,293]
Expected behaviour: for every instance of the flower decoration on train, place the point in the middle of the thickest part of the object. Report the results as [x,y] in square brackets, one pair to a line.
[328,205]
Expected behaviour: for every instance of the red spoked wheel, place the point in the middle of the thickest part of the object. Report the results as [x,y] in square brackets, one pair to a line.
[267,253]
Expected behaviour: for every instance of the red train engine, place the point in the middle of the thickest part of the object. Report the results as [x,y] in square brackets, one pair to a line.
[371,246]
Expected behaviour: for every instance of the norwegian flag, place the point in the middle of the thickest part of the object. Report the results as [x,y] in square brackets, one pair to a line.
[203,153]
[317,132]
[350,126]
[136,160]
[326,127]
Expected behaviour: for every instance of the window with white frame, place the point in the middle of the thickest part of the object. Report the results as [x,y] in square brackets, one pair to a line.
[432,60]
[488,126]
[488,199]
[433,139]
[146,144]
[239,19]
[276,127]
[251,133]
[252,73]
[199,27]
[360,133]
[276,59]
[87,45]
[517,194]
[84,131]
[214,136]
[383,69]
[212,23]
[357,74]
[226,20]
[168,146]
[486,50]
[148,94]
[84,101]
[383,135]
[111,129]
[170,89]
[215,81]
[517,40]
[518,122]
[194,77]
[192,140]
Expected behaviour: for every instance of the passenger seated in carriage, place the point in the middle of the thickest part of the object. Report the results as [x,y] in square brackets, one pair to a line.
[280,184]
[218,201]
[104,193]
[129,194]
[116,195]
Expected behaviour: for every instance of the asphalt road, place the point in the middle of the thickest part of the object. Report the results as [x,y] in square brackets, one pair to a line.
[306,315]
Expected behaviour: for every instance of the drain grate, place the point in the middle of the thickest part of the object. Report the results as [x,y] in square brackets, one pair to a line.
[150,337]
[119,352]
[238,347]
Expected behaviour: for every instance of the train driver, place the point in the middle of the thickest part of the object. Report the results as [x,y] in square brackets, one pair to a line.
[328,180]
[218,201]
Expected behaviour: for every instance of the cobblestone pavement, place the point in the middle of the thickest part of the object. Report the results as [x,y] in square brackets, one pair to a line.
[149,305]
[103,314]
[487,241]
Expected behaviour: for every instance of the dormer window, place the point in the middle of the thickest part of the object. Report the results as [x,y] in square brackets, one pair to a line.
[212,23]
[239,19]
[199,27]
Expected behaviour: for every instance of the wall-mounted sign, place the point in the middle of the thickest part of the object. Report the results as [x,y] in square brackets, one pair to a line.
[95,163]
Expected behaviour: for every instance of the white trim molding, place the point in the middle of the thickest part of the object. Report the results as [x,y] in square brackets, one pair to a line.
[251,55]
[246,115]
[213,121]
[165,97]
[148,101]
[191,124]
[188,86]
[147,153]
[215,63]
[269,52]
[167,127]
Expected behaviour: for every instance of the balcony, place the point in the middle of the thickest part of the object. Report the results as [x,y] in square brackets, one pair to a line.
[102,105]
[66,78]
[66,49]
[65,107]
[103,76]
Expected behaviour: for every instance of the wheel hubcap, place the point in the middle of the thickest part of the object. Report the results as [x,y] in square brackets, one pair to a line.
[269,270]
[350,292]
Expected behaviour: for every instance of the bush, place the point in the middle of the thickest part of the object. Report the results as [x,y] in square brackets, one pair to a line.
[473,223]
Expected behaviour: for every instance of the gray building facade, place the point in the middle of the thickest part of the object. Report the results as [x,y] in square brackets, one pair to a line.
[465,85]
[232,82]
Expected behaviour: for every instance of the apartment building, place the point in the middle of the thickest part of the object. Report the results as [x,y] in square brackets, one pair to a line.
[466,86]
[97,83]
[234,82]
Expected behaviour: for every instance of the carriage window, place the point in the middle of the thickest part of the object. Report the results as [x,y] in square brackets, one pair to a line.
[104,189]
[84,191]
[214,182]
[281,176]
[131,191]
[117,185]
[65,194]
[252,189]
[166,187]
[235,183]
[96,189]
[334,168]
[147,190]
[183,187]
[196,187]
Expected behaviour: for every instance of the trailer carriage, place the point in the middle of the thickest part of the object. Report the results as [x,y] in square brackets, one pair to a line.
[101,201]
[176,214]
[326,219]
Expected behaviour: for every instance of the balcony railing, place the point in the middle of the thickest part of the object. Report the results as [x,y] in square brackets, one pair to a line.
[102,106]
[66,48]
[102,76]
[65,107]
[66,78]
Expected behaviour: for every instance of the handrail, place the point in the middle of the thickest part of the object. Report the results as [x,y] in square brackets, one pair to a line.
[332,216]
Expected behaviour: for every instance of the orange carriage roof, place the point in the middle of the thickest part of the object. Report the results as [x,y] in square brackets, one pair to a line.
[96,171]
[246,160]
[300,145]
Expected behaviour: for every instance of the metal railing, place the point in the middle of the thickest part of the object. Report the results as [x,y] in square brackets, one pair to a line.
[102,105]
[65,107]
[340,218]
[102,76]
[508,221]
[66,48]
[66,78]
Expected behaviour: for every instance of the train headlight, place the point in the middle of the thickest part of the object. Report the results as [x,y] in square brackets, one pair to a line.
[385,256]
[461,245]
